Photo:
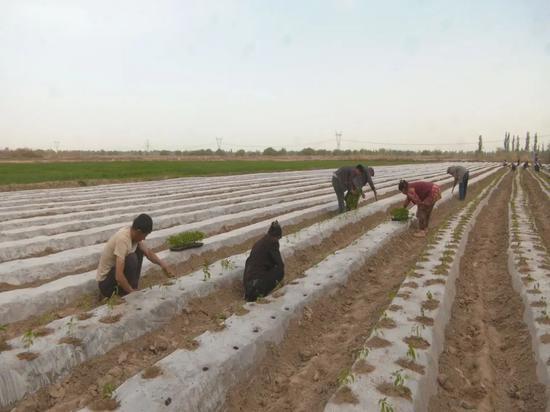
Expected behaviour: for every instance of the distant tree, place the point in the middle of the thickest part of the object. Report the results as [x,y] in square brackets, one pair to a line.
[480,144]
[240,152]
[270,152]
[308,151]
[282,152]
[536,143]
[527,138]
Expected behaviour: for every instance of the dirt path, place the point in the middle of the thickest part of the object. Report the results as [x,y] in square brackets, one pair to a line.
[538,204]
[301,373]
[487,363]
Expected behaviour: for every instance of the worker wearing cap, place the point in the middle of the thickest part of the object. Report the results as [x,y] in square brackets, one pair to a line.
[352,179]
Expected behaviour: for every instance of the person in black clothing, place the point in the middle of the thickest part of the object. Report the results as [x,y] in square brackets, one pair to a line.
[264,268]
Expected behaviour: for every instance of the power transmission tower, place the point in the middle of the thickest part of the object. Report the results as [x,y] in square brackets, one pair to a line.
[338,139]
[56,146]
[219,142]
[147,145]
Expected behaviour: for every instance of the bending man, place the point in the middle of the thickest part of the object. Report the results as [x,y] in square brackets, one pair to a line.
[423,195]
[352,179]
[264,268]
[120,263]
[461,175]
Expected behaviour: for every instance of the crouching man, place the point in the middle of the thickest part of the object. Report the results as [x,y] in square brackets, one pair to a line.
[120,263]
[264,268]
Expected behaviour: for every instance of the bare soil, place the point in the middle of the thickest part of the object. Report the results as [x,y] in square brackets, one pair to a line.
[487,363]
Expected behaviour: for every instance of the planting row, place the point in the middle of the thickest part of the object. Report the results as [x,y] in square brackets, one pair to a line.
[91,336]
[20,303]
[529,265]
[49,243]
[397,368]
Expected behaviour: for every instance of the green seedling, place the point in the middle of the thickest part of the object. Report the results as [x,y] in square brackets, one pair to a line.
[107,390]
[400,214]
[112,299]
[377,331]
[537,286]
[3,328]
[415,330]
[227,264]
[206,271]
[363,353]
[411,353]
[184,239]
[398,378]
[70,326]
[429,295]
[385,406]
[345,377]
[28,338]
[392,294]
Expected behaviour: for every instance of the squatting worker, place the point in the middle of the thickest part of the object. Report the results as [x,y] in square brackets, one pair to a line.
[264,268]
[461,175]
[120,263]
[351,179]
[423,195]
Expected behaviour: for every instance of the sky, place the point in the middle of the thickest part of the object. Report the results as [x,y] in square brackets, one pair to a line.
[407,74]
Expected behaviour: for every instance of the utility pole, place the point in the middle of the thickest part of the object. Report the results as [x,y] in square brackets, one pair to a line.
[56,146]
[219,142]
[147,145]
[338,139]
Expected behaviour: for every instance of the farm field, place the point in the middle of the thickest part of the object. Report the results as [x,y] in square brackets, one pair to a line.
[369,318]
[85,173]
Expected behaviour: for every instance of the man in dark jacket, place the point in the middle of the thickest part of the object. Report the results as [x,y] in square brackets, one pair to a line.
[352,179]
[264,268]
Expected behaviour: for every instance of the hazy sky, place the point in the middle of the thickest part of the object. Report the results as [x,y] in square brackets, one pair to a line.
[112,74]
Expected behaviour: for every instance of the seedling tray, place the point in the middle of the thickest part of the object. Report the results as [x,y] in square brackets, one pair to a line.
[184,247]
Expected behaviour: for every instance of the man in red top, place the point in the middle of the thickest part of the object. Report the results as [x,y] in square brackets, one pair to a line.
[423,195]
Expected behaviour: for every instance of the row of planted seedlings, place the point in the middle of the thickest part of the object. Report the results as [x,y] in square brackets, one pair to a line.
[529,266]
[199,379]
[121,320]
[21,303]
[543,182]
[397,367]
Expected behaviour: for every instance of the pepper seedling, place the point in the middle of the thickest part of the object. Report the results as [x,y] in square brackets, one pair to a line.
[385,406]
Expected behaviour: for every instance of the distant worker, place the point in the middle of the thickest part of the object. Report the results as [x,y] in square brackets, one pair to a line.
[537,167]
[264,268]
[352,179]
[424,195]
[120,263]
[514,167]
[461,175]
[526,164]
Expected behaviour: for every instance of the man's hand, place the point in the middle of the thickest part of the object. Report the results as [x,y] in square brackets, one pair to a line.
[375,197]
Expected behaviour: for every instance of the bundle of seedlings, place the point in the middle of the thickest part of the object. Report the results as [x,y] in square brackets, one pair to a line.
[352,199]
[185,240]
[400,214]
